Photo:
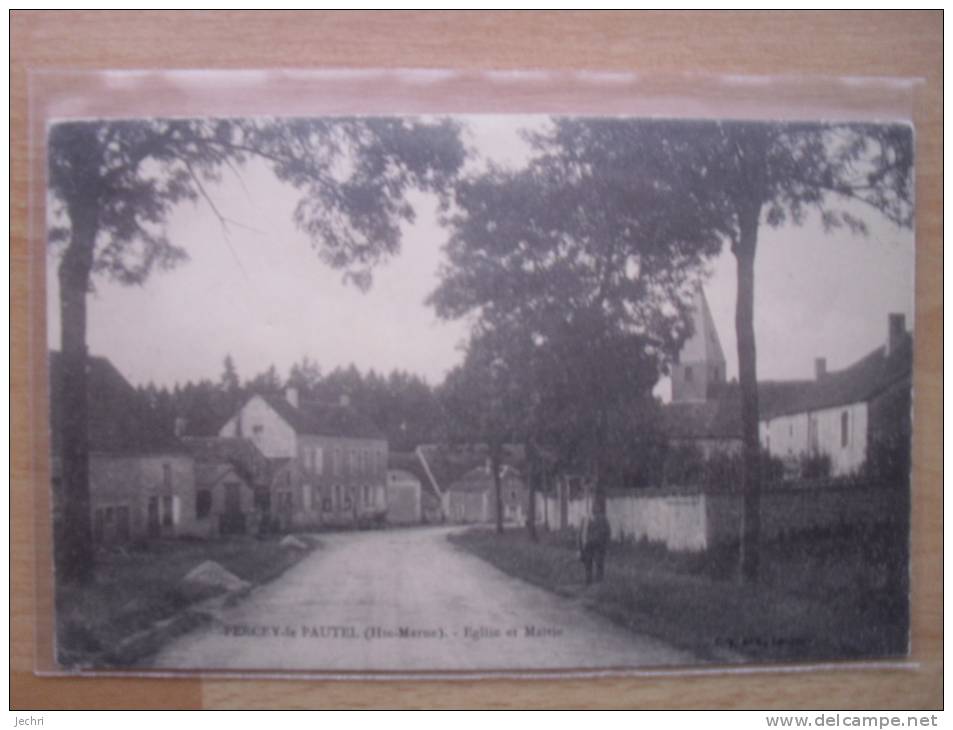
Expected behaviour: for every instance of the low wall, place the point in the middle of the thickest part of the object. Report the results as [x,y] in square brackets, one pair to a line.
[788,511]
[687,520]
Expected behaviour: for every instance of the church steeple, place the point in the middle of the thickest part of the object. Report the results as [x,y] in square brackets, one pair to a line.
[701,362]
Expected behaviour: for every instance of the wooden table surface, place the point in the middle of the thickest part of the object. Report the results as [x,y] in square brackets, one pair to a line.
[887,44]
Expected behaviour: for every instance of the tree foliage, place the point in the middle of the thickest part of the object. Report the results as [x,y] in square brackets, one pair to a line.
[587,258]
[403,406]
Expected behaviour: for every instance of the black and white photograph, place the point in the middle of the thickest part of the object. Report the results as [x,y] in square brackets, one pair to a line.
[471,394]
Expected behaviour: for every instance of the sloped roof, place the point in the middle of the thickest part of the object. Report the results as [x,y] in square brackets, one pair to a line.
[712,419]
[320,419]
[719,417]
[857,383]
[410,463]
[449,463]
[479,479]
[221,448]
[240,453]
[120,421]
[703,345]
[208,474]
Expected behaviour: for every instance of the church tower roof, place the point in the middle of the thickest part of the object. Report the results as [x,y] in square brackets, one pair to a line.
[703,346]
[701,362]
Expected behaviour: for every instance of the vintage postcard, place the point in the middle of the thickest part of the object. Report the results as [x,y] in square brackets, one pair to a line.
[478,393]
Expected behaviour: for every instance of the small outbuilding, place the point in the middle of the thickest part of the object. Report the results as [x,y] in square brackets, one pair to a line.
[403,497]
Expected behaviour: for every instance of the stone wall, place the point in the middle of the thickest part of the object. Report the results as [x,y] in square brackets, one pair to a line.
[689,520]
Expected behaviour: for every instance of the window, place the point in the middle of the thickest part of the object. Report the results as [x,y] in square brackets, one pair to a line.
[99,530]
[167,475]
[844,429]
[336,460]
[166,510]
[306,496]
[367,496]
[688,374]
[123,524]
[203,504]
[153,516]
[338,497]
[318,460]
[257,429]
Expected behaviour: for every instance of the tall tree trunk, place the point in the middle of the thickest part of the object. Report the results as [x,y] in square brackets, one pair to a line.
[496,465]
[748,381]
[533,464]
[598,484]
[76,553]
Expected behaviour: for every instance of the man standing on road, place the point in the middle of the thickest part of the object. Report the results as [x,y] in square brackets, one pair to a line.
[593,541]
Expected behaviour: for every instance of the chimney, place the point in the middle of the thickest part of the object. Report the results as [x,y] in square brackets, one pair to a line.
[345,400]
[291,395]
[896,330]
[179,427]
[820,368]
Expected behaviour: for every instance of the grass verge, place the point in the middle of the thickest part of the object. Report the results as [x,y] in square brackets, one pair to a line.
[822,596]
[136,586]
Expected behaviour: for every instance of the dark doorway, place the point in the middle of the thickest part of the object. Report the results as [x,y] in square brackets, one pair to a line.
[153,517]
[232,521]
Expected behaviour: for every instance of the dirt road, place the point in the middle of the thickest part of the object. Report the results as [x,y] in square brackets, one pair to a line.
[407,600]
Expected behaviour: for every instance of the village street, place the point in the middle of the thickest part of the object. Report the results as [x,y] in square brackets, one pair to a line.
[407,600]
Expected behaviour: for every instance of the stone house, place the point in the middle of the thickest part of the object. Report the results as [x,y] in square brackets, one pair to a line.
[141,478]
[404,497]
[460,475]
[409,483]
[846,414]
[328,463]
[472,497]
[232,480]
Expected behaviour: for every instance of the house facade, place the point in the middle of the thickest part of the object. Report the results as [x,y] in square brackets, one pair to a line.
[472,498]
[142,495]
[404,504]
[224,501]
[141,478]
[846,415]
[329,464]
[230,475]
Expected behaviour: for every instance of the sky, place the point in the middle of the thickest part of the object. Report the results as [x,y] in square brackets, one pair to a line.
[258,292]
